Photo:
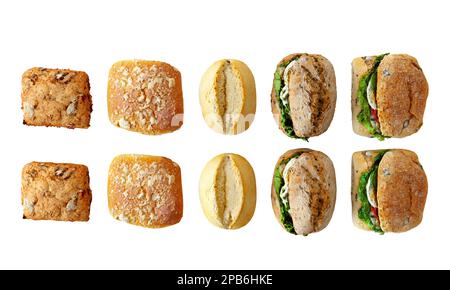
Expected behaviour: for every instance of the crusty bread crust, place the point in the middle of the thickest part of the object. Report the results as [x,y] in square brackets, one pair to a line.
[145,190]
[402,191]
[362,161]
[56,191]
[312,94]
[313,191]
[56,97]
[403,91]
[145,97]
[360,67]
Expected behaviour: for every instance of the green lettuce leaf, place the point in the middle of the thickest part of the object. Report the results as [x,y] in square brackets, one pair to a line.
[285,216]
[364,211]
[364,115]
[285,111]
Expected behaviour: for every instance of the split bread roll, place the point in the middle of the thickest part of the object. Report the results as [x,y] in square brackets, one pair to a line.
[389,190]
[304,191]
[228,191]
[228,97]
[396,105]
[145,190]
[145,97]
[304,95]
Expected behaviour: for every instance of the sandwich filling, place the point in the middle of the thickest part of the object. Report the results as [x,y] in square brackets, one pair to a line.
[367,196]
[281,184]
[281,85]
[367,99]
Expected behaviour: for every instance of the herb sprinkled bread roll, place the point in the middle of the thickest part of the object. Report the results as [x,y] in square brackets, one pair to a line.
[304,191]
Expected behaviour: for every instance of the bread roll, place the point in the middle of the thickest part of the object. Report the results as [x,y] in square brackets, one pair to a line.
[145,191]
[56,191]
[401,189]
[228,97]
[145,97]
[311,93]
[401,94]
[56,97]
[311,189]
[228,191]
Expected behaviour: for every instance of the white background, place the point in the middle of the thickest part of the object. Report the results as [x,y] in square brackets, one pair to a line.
[92,35]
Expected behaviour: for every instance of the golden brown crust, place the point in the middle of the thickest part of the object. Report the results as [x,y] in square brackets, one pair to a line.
[56,97]
[312,193]
[312,94]
[56,191]
[362,161]
[145,190]
[402,191]
[402,92]
[145,97]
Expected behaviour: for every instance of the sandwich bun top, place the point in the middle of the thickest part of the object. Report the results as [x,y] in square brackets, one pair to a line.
[402,92]
[402,191]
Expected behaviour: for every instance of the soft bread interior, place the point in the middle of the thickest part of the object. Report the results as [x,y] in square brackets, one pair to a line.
[229,192]
[232,93]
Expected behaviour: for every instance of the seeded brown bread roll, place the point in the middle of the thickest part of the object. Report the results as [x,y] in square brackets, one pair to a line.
[56,97]
[401,94]
[228,96]
[56,191]
[145,191]
[311,185]
[228,191]
[312,94]
[145,97]
[402,191]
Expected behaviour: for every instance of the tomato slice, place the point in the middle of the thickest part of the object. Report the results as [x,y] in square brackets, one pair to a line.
[374,114]
[374,212]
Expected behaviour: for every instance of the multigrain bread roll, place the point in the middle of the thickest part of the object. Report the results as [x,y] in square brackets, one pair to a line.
[145,97]
[304,191]
[228,191]
[145,191]
[228,96]
[56,97]
[304,95]
[389,94]
[56,191]
[389,190]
